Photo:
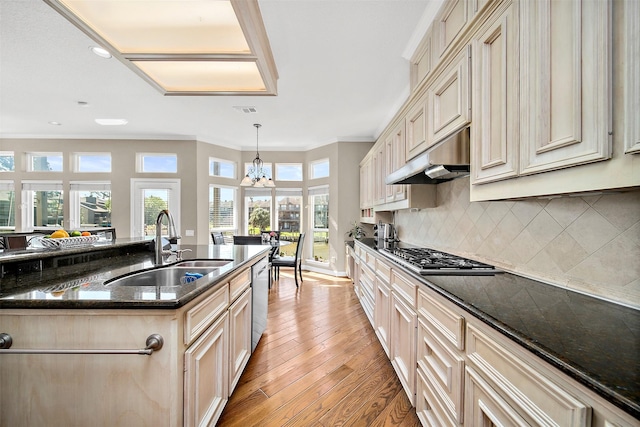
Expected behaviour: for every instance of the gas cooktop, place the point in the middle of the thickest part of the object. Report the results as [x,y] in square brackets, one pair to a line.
[431,262]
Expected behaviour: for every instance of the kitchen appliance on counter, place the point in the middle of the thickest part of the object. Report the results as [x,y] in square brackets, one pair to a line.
[427,261]
[384,232]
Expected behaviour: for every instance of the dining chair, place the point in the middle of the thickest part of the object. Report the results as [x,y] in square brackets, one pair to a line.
[288,261]
[218,238]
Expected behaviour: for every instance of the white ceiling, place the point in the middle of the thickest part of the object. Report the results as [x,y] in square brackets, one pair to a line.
[342,65]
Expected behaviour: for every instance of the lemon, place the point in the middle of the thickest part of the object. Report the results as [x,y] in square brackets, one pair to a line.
[59,234]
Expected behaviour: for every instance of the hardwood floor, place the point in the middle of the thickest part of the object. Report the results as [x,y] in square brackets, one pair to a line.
[319,363]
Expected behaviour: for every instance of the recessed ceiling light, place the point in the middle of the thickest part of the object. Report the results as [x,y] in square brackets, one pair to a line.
[102,53]
[55,123]
[112,122]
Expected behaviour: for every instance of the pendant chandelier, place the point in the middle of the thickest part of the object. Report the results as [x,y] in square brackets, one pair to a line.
[257,176]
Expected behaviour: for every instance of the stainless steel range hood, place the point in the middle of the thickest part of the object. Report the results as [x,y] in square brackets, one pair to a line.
[447,161]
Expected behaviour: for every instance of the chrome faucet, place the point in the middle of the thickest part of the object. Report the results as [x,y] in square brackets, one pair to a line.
[173,235]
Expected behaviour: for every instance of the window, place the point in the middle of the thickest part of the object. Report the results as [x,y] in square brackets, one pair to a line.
[319,169]
[92,162]
[148,198]
[44,204]
[222,202]
[90,204]
[257,203]
[288,172]
[289,208]
[319,204]
[7,205]
[44,162]
[157,163]
[7,161]
[222,168]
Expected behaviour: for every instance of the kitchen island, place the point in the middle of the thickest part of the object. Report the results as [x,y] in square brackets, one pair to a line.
[64,305]
[481,333]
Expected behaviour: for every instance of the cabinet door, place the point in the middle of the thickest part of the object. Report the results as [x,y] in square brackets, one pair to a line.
[403,344]
[389,190]
[381,314]
[399,156]
[448,99]
[451,19]
[494,132]
[239,337]
[485,407]
[206,375]
[565,65]
[631,80]
[380,173]
[415,122]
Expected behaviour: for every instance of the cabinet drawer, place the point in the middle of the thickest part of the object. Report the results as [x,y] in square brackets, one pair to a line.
[198,318]
[444,320]
[239,283]
[443,370]
[383,271]
[535,397]
[405,287]
[429,410]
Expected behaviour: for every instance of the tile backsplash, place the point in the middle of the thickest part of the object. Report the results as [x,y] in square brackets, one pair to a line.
[588,243]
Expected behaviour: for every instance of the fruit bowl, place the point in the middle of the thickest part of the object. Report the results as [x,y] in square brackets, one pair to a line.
[68,242]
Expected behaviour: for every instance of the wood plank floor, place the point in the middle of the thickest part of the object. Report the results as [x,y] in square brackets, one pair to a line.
[319,363]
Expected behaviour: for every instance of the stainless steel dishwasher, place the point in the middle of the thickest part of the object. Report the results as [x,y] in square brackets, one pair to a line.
[260,299]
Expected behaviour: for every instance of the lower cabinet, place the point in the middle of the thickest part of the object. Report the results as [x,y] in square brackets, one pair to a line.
[458,371]
[206,375]
[403,344]
[239,337]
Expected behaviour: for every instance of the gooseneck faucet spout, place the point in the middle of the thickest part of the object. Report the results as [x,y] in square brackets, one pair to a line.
[173,235]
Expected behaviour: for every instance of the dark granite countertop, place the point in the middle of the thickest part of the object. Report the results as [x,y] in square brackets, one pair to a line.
[594,341]
[75,278]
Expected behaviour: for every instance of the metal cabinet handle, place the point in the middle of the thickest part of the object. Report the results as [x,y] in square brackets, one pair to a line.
[154,343]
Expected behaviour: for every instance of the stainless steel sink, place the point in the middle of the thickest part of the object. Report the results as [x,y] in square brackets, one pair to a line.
[165,276]
[202,263]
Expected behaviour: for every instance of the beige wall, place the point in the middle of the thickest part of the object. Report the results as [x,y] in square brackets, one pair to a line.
[588,243]
[193,172]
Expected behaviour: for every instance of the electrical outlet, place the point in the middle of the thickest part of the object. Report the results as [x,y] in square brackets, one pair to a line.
[188,233]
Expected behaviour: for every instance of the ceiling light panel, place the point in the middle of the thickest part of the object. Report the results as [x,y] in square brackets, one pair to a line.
[183,47]
[204,76]
[163,27]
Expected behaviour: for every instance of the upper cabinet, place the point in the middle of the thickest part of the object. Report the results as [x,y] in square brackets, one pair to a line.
[448,102]
[494,131]
[416,128]
[565,70]
[631,76]
[448,24]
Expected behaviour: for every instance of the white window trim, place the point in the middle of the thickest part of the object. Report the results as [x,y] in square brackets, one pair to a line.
[140,161]
[75,159]
[30,155]
[235,208]
[27,200]
[279,178]
[311,192]
[316,162]
[75,187]
[137,203]
[219,160]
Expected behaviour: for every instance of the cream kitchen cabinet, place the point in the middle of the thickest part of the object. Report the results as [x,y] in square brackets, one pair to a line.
[239,337]
[631,72]
[206,375]
[452,17]
[566,82]
[382,309]
[402,336]
[494,154]
[416,129]
[448,99]
[398,148]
